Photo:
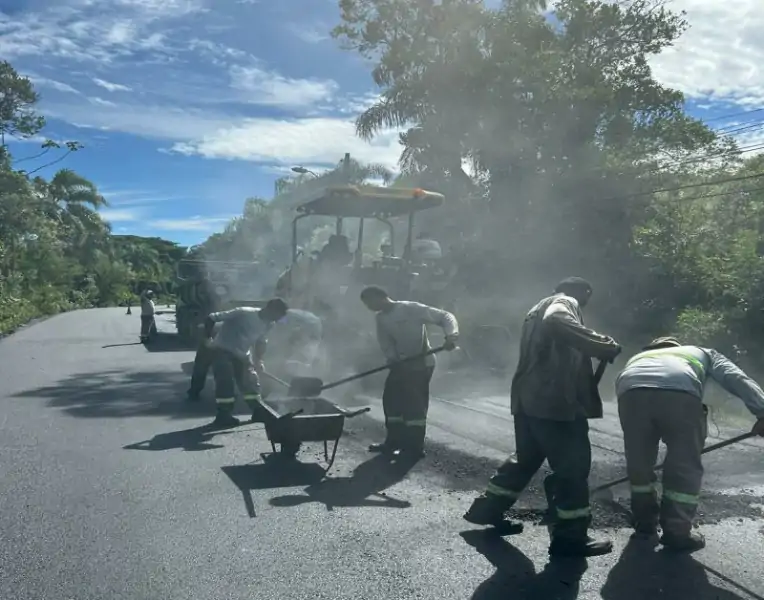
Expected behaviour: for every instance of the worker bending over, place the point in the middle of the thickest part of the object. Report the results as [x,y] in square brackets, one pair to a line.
[235,362]
[553,394]
[402,333]
[660,397]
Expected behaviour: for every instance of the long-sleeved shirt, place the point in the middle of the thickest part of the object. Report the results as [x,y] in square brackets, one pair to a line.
[554,377]
[402,332]
[687,369]
[241,329]
[147,306]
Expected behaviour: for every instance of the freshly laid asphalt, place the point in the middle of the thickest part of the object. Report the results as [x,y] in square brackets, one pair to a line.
[110,489]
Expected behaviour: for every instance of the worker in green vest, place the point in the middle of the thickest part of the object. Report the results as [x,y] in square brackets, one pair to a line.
[660,397]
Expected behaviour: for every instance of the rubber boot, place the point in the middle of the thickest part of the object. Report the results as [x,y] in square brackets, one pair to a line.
[683,543]
[488,510]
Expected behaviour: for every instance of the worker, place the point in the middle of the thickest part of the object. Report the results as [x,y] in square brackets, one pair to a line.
[203,359]
[402,334]
[148,310]
[554,393]
[660,397]
[235,362]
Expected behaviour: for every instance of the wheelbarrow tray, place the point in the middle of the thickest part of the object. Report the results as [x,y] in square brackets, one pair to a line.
[319,421]
[290,421]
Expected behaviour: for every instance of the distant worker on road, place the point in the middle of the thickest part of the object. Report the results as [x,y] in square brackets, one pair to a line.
[402,333]
[660,397]
[148,312]
[554,393]
[235,363]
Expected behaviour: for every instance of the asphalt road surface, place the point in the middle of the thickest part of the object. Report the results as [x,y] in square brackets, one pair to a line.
[109,489]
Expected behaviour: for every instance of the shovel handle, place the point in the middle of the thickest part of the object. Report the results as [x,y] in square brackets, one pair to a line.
[355,413]
[276,379]
[334,384]
[707,449]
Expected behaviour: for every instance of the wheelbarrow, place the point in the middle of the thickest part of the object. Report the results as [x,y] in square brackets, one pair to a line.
[289,422]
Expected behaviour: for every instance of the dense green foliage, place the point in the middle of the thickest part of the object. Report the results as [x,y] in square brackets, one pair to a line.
[560,153]
[56,253]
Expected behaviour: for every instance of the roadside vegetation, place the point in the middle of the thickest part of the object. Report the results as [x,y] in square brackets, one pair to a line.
[56,252]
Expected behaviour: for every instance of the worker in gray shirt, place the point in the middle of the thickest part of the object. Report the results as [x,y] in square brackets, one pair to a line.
[402,335]
[235,362]
[660,397]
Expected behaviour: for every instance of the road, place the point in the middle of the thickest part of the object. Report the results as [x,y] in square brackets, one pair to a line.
[109,490]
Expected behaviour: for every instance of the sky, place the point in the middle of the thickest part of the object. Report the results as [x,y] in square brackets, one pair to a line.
[187,107]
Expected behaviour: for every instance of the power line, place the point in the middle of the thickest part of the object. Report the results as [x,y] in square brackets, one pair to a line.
[687,186]
[729,193]
[730,116]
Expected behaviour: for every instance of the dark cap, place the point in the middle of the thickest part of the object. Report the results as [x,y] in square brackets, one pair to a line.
[578,284]
[663,342]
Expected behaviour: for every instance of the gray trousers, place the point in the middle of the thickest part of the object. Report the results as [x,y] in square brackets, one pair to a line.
[679,419]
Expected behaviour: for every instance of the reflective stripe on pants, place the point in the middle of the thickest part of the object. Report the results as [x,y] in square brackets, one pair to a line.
[679,419]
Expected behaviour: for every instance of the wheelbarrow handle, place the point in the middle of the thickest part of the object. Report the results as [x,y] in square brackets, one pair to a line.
[355,413]
[707,449]
[334,384]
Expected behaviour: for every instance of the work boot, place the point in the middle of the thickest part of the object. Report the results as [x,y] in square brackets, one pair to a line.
[487,511]
[583,547]
[384,448]
[193,396]
[683,543]
[225,421]
[644,530]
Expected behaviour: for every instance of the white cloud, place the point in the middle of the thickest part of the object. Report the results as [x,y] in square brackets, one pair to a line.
[310,34]
[268,88]
[721,57]
[112,87]
[91,30]
[119,215]
[44,82]
[196,223]
[299,141]
[101,101]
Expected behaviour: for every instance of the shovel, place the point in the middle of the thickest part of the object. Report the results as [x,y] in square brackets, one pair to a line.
[306,387]
[606,486]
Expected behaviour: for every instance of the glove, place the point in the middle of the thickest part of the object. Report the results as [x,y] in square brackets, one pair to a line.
[450,343]
[258,366]
[208,343]
[758,427]
[614,351]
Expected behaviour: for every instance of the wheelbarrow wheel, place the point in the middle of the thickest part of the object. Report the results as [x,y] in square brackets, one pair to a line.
[289,450]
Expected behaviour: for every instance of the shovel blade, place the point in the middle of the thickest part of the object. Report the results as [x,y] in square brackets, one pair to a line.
[305,387]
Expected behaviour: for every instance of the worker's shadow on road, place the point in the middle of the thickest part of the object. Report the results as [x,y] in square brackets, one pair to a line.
[196,439]
[516,575]
[365,487]
[121,393]
[642,572]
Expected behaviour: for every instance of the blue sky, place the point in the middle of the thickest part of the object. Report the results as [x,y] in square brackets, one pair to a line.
[185,109]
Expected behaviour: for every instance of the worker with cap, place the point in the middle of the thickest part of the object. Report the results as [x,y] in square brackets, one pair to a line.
[236,364]
[148,310]
[402,334]
[660,397]
[554,393]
